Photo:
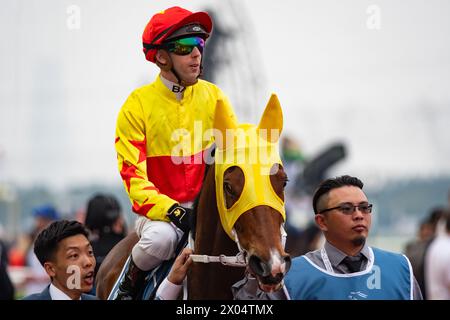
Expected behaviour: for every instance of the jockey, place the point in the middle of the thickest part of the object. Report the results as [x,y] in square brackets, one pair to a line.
[159,139]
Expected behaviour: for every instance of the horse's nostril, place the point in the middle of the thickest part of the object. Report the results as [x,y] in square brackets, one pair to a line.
[258,266]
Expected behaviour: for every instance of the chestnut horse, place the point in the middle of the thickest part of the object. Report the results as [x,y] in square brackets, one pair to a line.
[240,210]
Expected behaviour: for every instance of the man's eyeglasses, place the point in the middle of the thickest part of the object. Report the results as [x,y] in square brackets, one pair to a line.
[185,46]
[349,208]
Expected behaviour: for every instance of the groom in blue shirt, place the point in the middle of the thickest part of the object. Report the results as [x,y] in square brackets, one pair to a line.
[345,267]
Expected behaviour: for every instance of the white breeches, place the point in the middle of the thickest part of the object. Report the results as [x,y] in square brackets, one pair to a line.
[158,241]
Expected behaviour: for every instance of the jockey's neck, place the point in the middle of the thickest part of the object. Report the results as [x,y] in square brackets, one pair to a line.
[174,87]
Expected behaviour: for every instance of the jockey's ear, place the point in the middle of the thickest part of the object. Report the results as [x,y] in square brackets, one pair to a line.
[272,120]
[223,121]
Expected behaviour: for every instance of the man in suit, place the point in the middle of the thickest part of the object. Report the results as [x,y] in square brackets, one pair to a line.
[64,251]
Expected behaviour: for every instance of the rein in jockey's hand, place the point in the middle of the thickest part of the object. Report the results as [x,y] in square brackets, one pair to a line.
[180,267]
[180,217]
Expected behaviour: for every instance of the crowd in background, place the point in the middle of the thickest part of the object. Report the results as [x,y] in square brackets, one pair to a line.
[21,273]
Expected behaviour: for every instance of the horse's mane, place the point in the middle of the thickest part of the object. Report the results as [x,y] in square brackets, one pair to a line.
[209,162]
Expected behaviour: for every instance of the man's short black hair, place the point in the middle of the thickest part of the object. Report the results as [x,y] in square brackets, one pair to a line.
[47,241]
[326,186]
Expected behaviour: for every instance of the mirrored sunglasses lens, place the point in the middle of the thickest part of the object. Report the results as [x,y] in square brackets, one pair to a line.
[193,41]
[181,50]
[185,46]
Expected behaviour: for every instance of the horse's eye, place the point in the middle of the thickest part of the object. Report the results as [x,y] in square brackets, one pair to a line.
[285,182]
[228,188]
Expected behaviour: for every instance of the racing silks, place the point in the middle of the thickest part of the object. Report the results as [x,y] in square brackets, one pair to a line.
[160,144]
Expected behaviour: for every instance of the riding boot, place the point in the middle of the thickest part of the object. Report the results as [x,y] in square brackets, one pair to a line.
[131,283]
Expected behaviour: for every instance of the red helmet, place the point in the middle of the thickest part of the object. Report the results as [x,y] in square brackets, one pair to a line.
[162,25]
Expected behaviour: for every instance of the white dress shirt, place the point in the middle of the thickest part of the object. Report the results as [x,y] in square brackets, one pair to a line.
[57,294]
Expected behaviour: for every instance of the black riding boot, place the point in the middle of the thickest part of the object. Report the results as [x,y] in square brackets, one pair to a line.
[131,283]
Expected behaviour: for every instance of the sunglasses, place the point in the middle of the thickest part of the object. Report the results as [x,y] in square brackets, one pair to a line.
[349,208]
[185,46]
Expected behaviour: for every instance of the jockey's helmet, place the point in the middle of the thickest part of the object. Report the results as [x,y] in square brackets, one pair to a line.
[174,23]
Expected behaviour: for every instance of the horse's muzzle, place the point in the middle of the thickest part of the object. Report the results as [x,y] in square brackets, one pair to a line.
[268,274]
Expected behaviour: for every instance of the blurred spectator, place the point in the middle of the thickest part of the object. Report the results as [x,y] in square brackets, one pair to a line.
[18,252]
[38,278]
[293,160]
[6,286]
[309,239]
[293,164]
[448,199]
[105,221]
[437,265]
[417,249]
[43,216]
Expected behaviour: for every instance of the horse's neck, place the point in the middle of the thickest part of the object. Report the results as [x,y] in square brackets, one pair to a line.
[211,239]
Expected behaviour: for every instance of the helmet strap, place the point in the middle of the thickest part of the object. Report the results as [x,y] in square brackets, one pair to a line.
[201,68]
[179,80]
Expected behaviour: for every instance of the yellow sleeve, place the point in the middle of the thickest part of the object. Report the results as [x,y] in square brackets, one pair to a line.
[130,146]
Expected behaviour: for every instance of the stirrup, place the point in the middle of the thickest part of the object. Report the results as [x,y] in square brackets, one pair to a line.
[132,282]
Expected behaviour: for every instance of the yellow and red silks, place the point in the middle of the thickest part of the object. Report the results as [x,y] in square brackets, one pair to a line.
[160,144]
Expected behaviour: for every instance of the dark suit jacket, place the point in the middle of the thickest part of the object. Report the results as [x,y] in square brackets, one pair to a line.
[6,286]
[45,295]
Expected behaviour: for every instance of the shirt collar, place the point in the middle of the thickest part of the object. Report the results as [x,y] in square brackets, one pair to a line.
[58,294]
[336,256]
[174,87]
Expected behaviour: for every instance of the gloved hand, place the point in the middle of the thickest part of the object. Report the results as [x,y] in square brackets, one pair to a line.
[180,217]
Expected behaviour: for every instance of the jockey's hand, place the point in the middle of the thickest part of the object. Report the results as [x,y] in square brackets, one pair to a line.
[180,217]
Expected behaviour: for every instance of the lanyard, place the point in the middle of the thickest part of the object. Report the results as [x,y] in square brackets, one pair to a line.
[326,261]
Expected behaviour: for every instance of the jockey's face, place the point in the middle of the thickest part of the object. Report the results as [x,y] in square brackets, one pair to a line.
[347,232]
[187,67]
[72,267]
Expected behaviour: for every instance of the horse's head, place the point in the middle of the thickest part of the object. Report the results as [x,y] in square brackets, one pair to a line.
[250,184]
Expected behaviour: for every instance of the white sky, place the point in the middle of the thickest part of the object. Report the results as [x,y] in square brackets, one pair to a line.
[385,93]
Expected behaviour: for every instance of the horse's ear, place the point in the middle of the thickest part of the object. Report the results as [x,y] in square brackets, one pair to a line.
[272,120]
[223,120]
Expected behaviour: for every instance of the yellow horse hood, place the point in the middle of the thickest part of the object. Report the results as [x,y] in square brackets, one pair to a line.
[254,149]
